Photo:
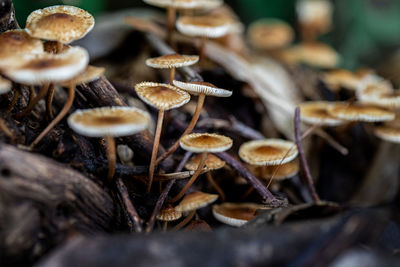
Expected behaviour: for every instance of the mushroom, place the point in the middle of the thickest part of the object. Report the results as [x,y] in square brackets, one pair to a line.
[163,97]
[389,131]
[279,172]
[109,122]
[359,112]
[316,112]
[202,89]
[5,86]
[203,143]
[340,78]
[211,163]
[236,214]
[171,61]
[192,202]
[168,214]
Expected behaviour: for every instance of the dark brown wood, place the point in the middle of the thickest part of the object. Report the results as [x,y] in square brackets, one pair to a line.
[7,16]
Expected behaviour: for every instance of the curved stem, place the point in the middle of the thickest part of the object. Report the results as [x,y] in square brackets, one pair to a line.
[155,148]
[49,101]
[31,94]
[6,130]
[14,99]
[189,129]
[111,156]
[58,118]
[171,75]
[185,221]
[42,92]
[216,186]
[193,179]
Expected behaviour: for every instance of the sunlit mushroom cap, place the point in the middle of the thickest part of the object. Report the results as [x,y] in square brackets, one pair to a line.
[268,152]
[316,112]
[19,41]
[109,121]
[236,214]
[357,112]
[316,54]
[205,26]
[37,69]
[185,4]
[388,132]
[270,34]
[336,79]
[196,88]
[212,162]
[161,96]
[205,142]
[169,214]
[312,10]
[59,23]
[171,61]
[90,74]
[195,200]
[279,172]
[5,86]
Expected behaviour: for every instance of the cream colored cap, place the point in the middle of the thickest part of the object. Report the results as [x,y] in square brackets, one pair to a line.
[161,96]
[109,121]
[312,10]
[316,54]
[205,142]
[195,200]
[19,41]
[205,26]
[172,61]
[5,86]
[336,79]
[197,88]
[357,112]
[280,172]
[236,214]
[169,214]
[212,162]
[185,4]
[90,74]
[268,152]
[59,23]
[316,112]
[388,133]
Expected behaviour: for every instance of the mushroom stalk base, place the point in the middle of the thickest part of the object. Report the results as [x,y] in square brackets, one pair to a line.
[185,221]
[42,92]
[111,156]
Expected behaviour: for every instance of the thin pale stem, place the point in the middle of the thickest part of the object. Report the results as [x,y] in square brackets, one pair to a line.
[14,99]
[189,129]
[59,117]
[111,156]
[185,221]
[171,75]
[192,179]
[42,92]
[165,226]
[155,148]
[216,186]
[49,101]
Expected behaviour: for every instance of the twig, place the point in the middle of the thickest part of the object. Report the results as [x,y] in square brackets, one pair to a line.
[164,194]
[133,215]
[331,141]
[303,161]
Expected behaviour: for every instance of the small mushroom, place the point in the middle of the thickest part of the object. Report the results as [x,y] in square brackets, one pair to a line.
[5,86]
[359,112]
[168,214]
[109,122]
[163,97]
[316,112]
[389,132]
[171,61]
[202,89]
[315,54]
[203,143]
[236,214]
[340,78]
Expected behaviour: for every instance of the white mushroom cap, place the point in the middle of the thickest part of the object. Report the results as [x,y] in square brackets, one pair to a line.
[5,86]
[185,4]
[37,69]
[204,26]
[59,23]
[196,88]
[205,142]
[17,42]
[236,214]
[109,121]
[172,61]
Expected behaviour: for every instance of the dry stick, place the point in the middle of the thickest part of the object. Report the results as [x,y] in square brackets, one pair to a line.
[332,142]
[303,161]
[189,129]
[216,186]
[42,92]
[111,157]
[14,99]
[155,148]
[6,130]
[59,117]
[132,213]
[49,101]
[164,194]
[192,179]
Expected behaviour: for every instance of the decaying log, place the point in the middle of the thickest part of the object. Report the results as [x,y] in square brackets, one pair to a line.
[7,16]
[102,93]
[43,202]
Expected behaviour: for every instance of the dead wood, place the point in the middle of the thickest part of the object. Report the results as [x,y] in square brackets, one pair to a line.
[7,16]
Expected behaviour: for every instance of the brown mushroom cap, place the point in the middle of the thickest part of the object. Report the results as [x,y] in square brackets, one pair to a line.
[169,214]
[336,79]
[279,172]
[380,96]
[195,200]
[90,74]
[316,112]
[212,162]
[59,23]
[268,152]
[315,54]
[388,133]
[196,88]
[171,61]
[109,121]
[205,142]
[5,86]
[204,26]
[19,41]
[357,112]
[185,4]
[314,10]
[270,34]
[236,214]
[161,96]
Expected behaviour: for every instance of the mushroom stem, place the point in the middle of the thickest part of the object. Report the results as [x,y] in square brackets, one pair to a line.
[165,226]
[42,92]
[6,130]
[111,156]
[193,179]
[216,186]
[185,221]
[58,118]
[189,129]
[171,16]
[14,99]
[31,93]
[202,49]
[155,148]
[49,101]
[171,75]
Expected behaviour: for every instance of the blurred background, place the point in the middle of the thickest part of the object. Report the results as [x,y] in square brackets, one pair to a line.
[365,32]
